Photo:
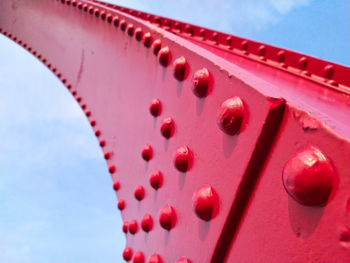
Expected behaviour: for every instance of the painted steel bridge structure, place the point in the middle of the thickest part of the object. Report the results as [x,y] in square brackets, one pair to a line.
[220,148]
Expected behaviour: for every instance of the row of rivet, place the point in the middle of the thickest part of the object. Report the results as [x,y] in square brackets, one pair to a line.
[328,70]
[139,257]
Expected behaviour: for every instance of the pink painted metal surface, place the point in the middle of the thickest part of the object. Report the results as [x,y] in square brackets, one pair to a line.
[220,149]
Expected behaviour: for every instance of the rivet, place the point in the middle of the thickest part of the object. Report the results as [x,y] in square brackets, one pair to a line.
[107,155]
[91,10]
[155,107]
[93,123]
[109,18]
[302,63]
[78,98]
[97,12]
[189,30]
[123,25]
[244,46]
[216,38]
[80,5]
[230,115]
[156,45]
[167,217]
[156,179]
[116,185]
[139,192]
[180,68]
[201,83]
[147,223]
[147,152]
[74,3]
[155,258]
[183,159]
[111,169]
[344,237]
[125,227]
[127,253]
[281,56]
[202,33]
[204,202]
[64,80]
[164,56]
[183,260]
[103,15]
[133,227]
[97,133]
[328,71]
[130,30]
[102,143]
[147,39]
[262,51]
[59,74]
[167,127]
[85,7]
[308,177]
[121,204]
[229,42]
[116,21]
[88,113]
[138,34]
[138,257]
[82,105]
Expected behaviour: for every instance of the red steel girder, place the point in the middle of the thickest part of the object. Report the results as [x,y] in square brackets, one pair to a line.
[213,141]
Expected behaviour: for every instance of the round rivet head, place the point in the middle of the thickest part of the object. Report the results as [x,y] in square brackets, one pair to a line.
[156,179]
[328,71]
[138,257]
[133,227]
[155,107]
[156,46]
[147,223]
[97,133]
[167,217]
[230,115]
[111,169]
[125,227]
[116,185]
[107,155]
[204,202]
[201,83]
[147,152]
[116,21]
[130,30]
[123,25]
[308,177]
[147,40]
[102,143]
[138,34]
[167,127]
[183,260]
[164,56]
[302,63]
[155,258]
[93,123]
[127,253]
[180,67]
[183,158]
[139,192]
[121,204]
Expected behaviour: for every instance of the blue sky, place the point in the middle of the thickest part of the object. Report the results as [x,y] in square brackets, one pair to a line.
[56,200]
